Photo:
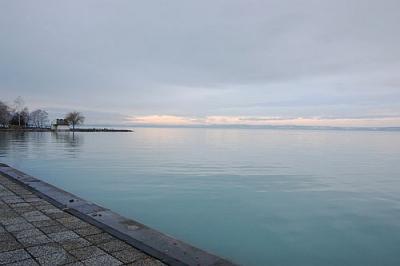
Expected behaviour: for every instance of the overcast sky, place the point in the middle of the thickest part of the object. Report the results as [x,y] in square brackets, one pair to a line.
[183,62]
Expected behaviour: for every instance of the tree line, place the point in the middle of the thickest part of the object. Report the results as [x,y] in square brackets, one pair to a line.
[18,115]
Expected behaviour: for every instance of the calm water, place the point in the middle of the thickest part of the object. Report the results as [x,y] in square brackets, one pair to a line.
[257,197]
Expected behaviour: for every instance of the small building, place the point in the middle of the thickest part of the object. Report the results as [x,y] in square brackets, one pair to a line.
[60,125]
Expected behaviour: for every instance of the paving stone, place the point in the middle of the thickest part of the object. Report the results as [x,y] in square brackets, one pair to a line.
[42,250]
[21,192]
[129,255]
[75,243]
[31,199]
[99,238]
[7,213]
[12,199]
[3,204]
[35,216]
[68,220]
[27,233]
[34,241]
[58,215]
[52,210]
[62,236]
[26,198]
[6,193]
[28,262]
[87,231]
[102,260]
[22,207]
[24,194]
[19,227]
[13,220]
[72,222]
[78,263]
[41,206]
[3,188]
[41,202]
[38,218]
[53,229]
[113,246]
[13,256]
[41,224]
[18,189]
[5,236]
[32,213]
[59,258]
[9,245]
[21,210]
[147,262]
[12,187]
[7,218]
[22,204]
[87,252]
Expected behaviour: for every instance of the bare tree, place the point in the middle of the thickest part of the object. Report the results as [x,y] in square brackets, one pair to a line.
[5,114]
[74,118]
[24,117]
[39,118]
[19,108]
[34,118]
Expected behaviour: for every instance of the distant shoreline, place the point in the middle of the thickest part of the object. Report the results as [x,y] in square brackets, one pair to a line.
[108,128]
[76,130]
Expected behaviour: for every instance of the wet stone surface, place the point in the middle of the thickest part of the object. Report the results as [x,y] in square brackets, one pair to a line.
[34,232]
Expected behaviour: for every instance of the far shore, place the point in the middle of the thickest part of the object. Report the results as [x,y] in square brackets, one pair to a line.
[16,129]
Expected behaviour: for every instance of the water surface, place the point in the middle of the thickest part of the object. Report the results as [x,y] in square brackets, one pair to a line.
[257,197]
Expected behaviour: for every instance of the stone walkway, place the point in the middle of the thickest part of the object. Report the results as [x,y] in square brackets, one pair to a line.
[34,232]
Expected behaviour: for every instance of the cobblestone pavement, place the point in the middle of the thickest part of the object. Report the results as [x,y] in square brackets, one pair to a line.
[34,232]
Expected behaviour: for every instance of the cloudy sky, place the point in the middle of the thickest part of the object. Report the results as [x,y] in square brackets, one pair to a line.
[303,62]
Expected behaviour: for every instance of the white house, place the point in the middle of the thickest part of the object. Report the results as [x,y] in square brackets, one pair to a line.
[60,125]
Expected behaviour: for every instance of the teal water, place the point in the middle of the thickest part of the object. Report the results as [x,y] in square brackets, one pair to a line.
[257,197]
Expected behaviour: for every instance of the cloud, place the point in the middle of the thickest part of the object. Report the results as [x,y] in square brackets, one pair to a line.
[255,58]
[262,121]
[161,120]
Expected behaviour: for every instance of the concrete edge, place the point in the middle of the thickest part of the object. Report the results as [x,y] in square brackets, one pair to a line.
[156,244]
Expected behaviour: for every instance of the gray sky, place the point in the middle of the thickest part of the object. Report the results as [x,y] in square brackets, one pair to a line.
[291,62]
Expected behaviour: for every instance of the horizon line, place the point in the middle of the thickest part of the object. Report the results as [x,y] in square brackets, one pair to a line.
[242,126]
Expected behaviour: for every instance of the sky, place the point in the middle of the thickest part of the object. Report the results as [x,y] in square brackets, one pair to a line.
[180,62]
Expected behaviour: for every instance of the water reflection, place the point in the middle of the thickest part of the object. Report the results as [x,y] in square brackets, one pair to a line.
[4,143]
[21,143]
[7,139]
[69,139]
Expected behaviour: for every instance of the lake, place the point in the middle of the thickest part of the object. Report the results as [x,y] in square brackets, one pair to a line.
[254,196]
